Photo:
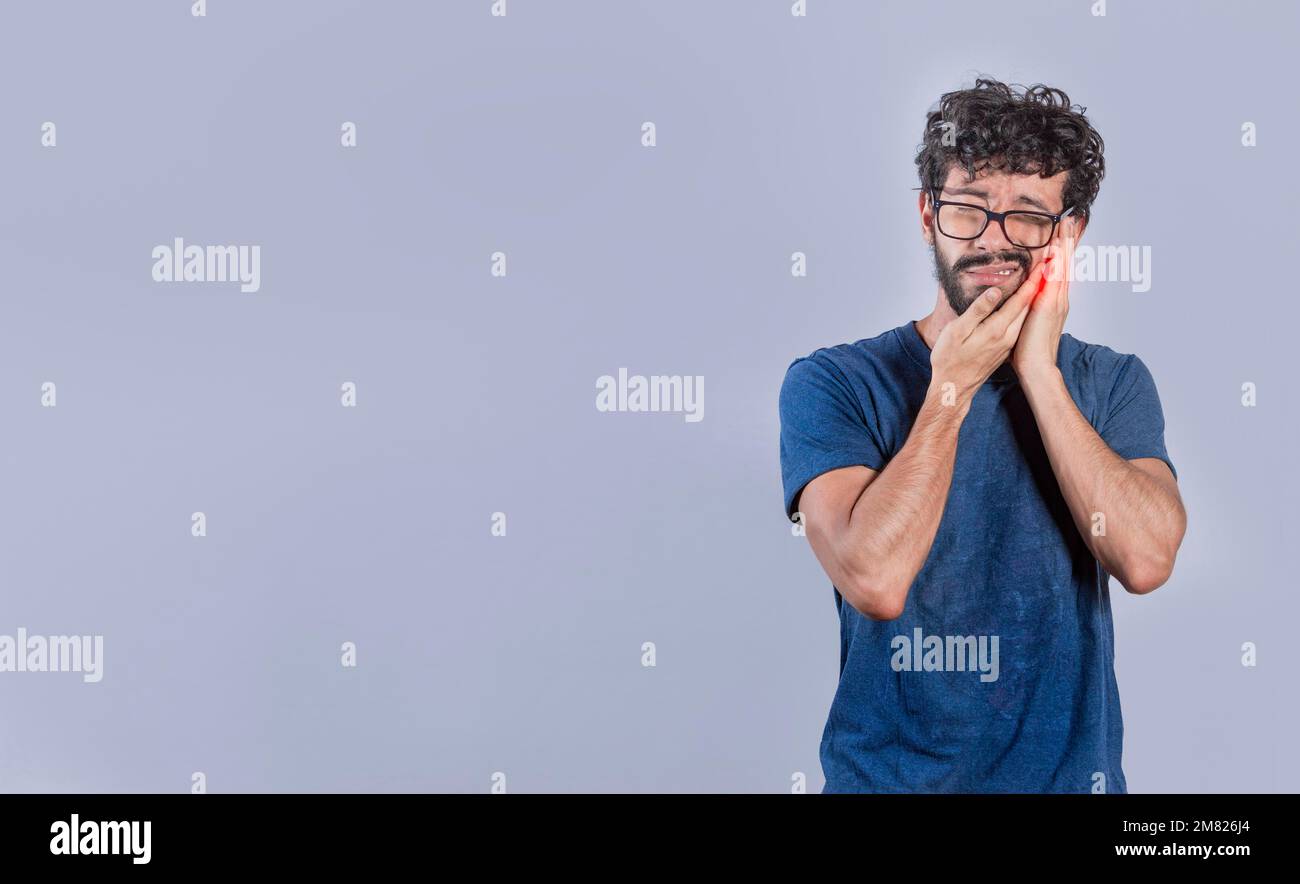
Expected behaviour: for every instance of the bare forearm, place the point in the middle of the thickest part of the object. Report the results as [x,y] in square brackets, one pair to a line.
[893,523]
[1132,523]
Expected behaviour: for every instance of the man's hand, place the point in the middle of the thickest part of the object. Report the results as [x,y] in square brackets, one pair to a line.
[1040,336]
[972,346]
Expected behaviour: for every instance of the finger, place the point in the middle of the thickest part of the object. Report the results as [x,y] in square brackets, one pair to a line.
[1071,235]
[1061,259]
[981,307]
[1055,263]
[1062,251]
[1016,304]
[1053,274]
[1012,332]
[1071,244]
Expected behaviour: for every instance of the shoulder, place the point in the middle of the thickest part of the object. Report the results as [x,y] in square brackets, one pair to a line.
[1101,369]
[849,363]
[1096,360]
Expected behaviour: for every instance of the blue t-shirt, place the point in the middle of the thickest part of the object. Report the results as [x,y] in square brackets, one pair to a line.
[999,676]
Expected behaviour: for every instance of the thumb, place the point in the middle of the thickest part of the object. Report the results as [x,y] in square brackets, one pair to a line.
[981,307]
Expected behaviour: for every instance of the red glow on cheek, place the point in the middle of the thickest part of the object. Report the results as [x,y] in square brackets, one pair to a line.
[1042,282]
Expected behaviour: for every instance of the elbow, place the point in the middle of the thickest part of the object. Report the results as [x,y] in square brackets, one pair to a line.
[875,600]
[1147,576]
[1148,572]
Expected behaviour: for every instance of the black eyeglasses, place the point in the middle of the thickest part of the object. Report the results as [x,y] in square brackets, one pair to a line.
[1028,230]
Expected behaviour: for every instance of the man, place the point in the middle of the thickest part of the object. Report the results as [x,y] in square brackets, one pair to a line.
[970,482]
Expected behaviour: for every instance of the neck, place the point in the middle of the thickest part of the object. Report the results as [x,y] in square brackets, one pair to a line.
[930,327]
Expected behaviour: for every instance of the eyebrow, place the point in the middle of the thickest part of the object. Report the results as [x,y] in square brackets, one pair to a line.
[984,195]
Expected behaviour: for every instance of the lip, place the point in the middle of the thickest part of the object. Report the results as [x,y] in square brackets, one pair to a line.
[989,274]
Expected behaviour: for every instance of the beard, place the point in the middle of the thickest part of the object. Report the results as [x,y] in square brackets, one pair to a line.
[949,276]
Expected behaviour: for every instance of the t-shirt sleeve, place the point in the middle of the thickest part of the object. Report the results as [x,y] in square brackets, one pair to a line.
[1134,423]
[824,426]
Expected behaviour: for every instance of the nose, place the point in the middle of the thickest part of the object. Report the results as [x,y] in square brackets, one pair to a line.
[994,240]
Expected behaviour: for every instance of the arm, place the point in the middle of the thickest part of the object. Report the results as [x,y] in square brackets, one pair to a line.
[1144,516]
[872,531]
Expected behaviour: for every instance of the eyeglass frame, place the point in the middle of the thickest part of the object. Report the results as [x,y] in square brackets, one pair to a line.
[1000,217]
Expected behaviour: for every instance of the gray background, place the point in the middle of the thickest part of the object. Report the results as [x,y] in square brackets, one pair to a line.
[476,394]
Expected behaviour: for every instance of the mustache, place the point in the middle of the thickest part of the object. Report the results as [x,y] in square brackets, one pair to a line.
[973,261]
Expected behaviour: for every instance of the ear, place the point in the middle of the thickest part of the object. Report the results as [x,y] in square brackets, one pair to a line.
[927,217]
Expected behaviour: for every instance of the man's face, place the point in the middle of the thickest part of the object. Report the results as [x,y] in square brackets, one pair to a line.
[965,268]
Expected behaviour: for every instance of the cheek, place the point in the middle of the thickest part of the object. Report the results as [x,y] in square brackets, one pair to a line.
[948,253]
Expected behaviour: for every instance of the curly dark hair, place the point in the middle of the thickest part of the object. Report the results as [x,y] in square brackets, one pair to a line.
[1035,131]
